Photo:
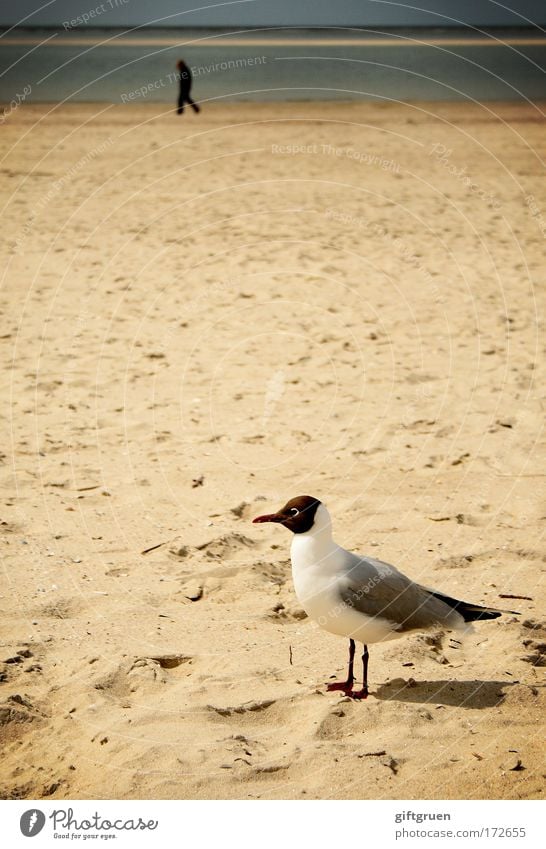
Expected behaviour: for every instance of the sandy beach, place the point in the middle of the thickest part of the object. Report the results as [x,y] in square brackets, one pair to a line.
[204,316]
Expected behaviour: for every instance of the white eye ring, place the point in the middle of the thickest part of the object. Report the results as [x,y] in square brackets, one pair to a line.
[294,511]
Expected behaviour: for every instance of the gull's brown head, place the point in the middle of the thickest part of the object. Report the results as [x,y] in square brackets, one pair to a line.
[298,514]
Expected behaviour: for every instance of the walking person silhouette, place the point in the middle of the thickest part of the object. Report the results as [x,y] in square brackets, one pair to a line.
[185,80]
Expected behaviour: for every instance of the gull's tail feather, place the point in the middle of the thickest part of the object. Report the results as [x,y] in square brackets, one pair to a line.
[472,612]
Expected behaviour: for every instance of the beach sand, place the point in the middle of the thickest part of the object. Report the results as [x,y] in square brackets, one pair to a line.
[204,316]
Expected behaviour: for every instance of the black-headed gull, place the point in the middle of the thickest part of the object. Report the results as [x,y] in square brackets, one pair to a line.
[359,597]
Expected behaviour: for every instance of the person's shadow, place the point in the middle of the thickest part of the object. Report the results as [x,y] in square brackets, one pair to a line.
[467,694]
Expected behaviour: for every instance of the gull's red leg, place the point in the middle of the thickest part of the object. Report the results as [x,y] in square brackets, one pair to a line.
[346,685]
[363,693]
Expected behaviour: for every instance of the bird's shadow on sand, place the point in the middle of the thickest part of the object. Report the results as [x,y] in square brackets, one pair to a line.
[467,694]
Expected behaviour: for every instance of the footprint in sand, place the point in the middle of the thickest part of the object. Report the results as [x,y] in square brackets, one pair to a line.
[216,548]
[536,652]
[15,713]
[288,614]
[224,545]
[140,675]
[61,609]
[245,708]
[534,643]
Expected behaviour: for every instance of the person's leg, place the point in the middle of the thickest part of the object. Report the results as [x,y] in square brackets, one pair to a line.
[180,107]
[193,104]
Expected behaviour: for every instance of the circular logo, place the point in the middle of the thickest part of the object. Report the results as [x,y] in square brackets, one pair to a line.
[32,822]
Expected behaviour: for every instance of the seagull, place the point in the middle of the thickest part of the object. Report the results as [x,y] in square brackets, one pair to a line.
[358,597]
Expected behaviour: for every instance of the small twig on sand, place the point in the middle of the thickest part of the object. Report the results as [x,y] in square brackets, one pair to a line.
[152,548]
[373,754]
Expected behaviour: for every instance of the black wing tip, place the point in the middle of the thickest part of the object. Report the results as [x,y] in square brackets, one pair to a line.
[474,612]
[470,615]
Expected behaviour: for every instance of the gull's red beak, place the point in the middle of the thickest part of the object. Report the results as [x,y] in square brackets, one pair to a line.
[271,517]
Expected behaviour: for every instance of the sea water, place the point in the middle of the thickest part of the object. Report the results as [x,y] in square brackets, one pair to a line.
[273,64]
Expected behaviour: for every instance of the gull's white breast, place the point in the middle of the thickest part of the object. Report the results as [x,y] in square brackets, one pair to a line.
[318,568]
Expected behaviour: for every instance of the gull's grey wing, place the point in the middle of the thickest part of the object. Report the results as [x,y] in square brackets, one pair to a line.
[379,589]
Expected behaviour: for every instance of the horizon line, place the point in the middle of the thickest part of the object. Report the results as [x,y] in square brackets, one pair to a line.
[475,41]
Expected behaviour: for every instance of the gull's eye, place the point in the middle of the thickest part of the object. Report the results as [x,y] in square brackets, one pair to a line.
[294,511]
